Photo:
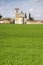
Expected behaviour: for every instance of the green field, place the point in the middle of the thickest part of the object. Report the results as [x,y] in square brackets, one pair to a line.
[21,44]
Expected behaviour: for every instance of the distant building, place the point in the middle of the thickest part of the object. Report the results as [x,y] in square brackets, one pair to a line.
[5,20]
[19,17]
[34,21]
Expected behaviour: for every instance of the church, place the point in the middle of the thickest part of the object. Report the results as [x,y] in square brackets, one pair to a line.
[19,16]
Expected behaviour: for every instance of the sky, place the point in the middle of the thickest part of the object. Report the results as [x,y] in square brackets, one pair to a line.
[35,7]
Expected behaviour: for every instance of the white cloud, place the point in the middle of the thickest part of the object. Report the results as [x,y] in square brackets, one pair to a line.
[31,10]
[28,6]
[38,15]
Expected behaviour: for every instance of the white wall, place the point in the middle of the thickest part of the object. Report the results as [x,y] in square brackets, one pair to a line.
[19,21]
[34,22]
[1,21]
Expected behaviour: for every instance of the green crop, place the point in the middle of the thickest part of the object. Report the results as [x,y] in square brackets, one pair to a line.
[21,44]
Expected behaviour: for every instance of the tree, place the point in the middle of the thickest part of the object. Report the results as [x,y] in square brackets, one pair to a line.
[30,18]
[23,20]
[0,16]
[25,15]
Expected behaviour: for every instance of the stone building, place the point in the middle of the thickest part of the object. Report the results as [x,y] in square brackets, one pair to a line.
[19,16]
[5,20]
[34,21]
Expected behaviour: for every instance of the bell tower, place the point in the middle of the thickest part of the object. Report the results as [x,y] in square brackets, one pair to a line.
[16,13]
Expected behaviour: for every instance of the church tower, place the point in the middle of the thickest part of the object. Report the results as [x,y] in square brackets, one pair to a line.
[16,14]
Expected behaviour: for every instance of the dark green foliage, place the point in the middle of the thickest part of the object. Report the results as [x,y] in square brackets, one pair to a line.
[12,22]
[0,16]
[25,15]
[30,18]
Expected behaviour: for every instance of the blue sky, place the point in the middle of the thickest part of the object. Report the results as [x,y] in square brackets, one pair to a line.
[35,7]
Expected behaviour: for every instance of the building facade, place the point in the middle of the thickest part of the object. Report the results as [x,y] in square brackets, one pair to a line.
[19,16]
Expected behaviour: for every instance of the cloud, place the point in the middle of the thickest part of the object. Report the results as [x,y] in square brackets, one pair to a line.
[37,15]
[31,10]
[35,7]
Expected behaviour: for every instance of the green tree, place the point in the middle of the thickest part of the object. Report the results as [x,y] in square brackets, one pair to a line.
[25,15]
[30,18]
[0,16]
